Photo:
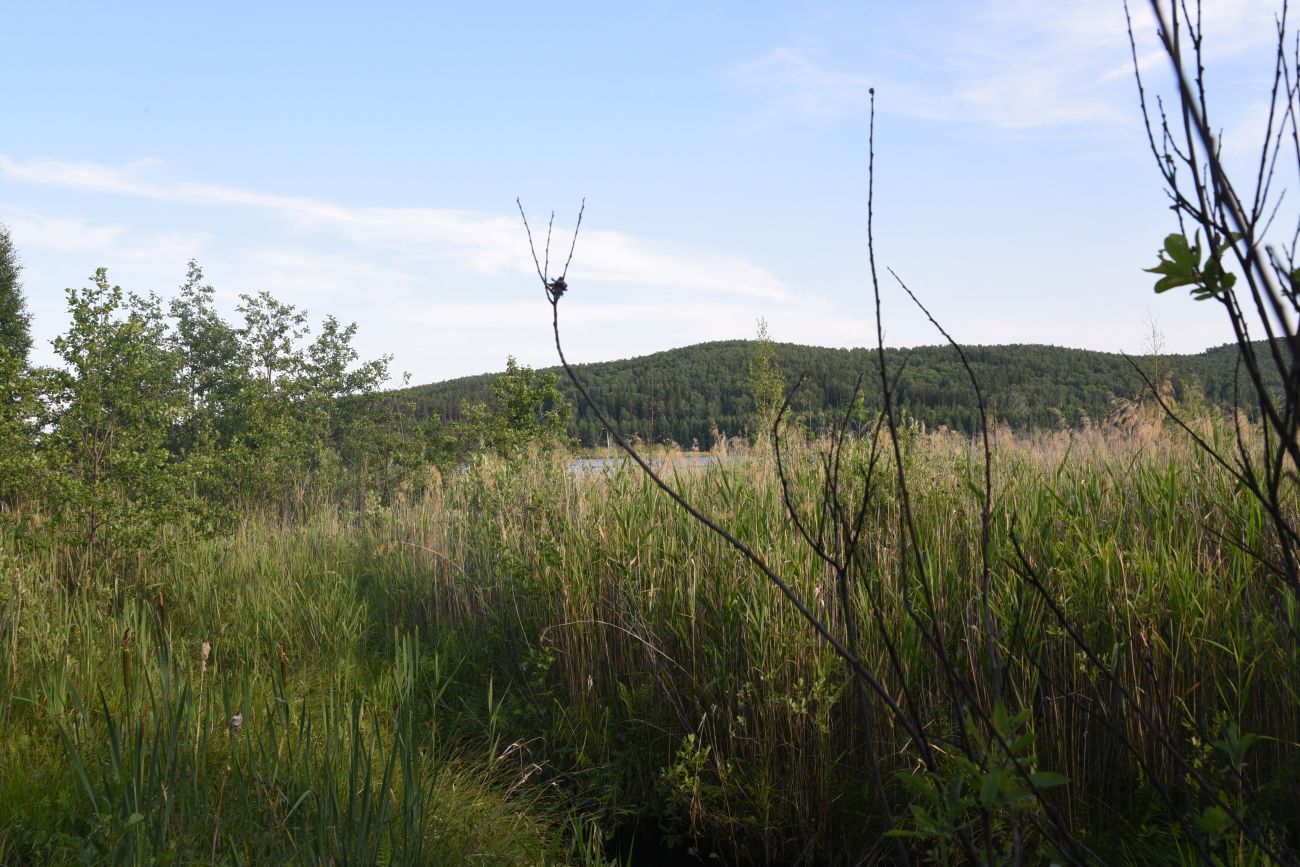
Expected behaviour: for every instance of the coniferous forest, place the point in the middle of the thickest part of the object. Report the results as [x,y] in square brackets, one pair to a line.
[688,396]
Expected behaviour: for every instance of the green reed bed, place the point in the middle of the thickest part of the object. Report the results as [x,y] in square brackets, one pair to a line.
[664,681]
[240,703]
[530,662]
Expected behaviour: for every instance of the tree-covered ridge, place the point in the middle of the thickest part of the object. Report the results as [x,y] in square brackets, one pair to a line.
[685,395]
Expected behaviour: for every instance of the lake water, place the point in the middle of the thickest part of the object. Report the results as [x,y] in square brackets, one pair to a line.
[587,466]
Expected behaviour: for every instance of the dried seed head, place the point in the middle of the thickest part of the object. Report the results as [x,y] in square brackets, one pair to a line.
[236,723]
[207,649]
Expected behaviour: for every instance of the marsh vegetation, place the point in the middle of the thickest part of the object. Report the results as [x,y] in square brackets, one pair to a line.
[528,663]
[255,610]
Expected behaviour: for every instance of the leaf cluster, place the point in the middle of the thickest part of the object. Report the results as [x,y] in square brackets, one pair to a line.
[1180,265]
[527,410]
[161,415]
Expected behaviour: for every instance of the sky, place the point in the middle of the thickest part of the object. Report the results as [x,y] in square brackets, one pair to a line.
[364,162]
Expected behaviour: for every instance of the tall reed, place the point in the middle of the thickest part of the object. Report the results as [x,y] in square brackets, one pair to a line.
[529,660]
[660,671]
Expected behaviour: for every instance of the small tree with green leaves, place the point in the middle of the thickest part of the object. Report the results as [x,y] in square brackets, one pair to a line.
[343,413]
[17,433]
[528,410]
[213,370]
[270,402]
[767,385]
[15,336]
[279,415]
[270,335]
[110,410]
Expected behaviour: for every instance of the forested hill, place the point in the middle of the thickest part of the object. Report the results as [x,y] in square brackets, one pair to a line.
[684,394]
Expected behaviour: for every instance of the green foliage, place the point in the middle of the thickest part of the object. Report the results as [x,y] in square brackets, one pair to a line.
[18,432]
[305,408]
[167,777]
[113,483]
[270,335]
[17,390]
[593,650]
[527,410]
[285,418]
[212,367]
[683,395]
[766,384]
[158,417]
[1003,785]
[571,643]
[1180,265]
[15,337]
[116,743]
[279,414]
[1224,761]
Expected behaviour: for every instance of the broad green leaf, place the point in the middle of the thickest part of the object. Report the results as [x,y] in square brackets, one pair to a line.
[1174,277]
[1176,247]
[1000,717]
[1179,263]
[1186,256]
[919,785]
[1214,819]
[955,786]
[990,789]
[1048,779]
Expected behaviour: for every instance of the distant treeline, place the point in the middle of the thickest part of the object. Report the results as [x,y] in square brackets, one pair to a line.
[685,395]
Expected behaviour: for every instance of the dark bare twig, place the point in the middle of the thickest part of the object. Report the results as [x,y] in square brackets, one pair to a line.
[546,257]
[745,551]
[986,506]
[1230,228]
[1163,738]
[836,541]
[582,208]
[541,275]
[839,565]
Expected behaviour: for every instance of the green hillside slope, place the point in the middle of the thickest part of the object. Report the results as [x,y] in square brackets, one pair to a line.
[683,395]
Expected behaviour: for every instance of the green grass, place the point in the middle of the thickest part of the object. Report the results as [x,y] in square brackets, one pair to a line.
[117,745]
[528,663]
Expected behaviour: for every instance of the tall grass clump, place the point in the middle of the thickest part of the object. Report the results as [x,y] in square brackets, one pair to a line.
[242,706]
[534,663]
[960,657]
[673,689]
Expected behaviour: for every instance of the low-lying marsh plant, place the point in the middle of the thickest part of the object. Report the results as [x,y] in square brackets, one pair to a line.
[573,631]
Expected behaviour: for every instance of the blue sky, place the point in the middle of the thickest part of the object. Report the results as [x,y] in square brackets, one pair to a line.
[364,162]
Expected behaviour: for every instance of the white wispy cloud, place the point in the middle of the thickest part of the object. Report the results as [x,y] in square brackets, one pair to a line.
[801,85]
[150,251]
[306,273]
[160,253]
[60,234]
[1012,64]
[453,289]
[478,243]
